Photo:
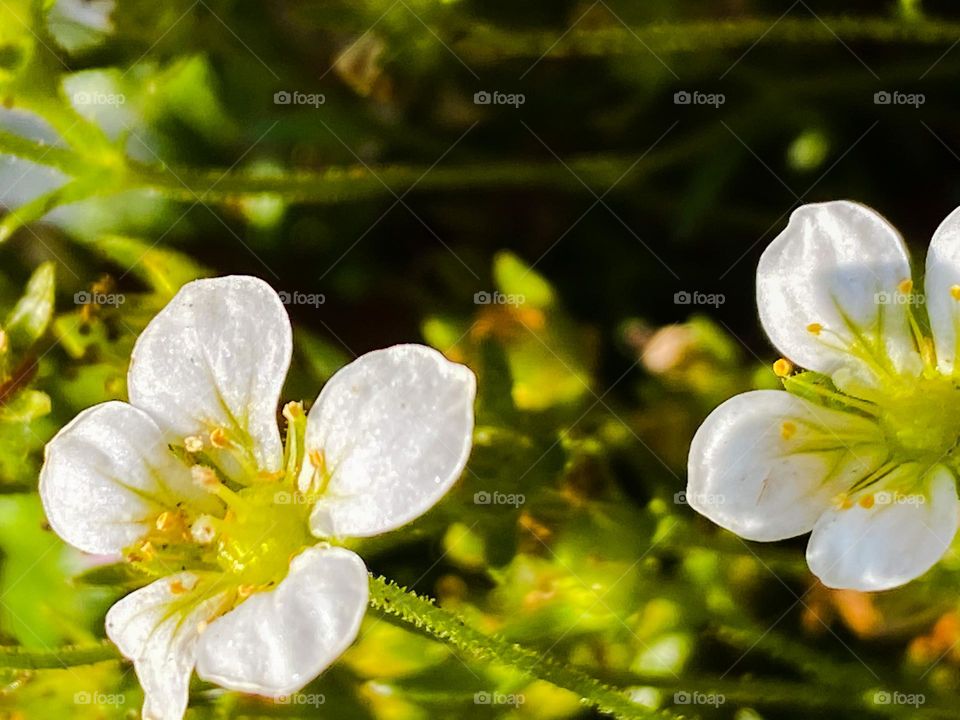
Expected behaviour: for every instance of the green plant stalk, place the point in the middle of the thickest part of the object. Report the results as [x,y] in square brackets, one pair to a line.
[421,613]
[491,44]
[19,658]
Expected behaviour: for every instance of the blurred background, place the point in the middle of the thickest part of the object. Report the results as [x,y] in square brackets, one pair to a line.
[570,197]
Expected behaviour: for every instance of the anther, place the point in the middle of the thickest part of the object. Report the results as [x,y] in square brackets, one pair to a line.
[866,502]
[205,477]
[815,328]
[788,430]
[905,286]
[782,367]
[193,444]
[293,411]
[218,438]
[166,521]
[203,530]
[177,587]
[955,292]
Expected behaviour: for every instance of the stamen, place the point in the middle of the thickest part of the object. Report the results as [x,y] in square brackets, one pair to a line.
[167,521]
[205,478]
[955,292]
[815,328]
[905,286]
[177,587]
[293,411]
[788,430]
[193,444]
[218,438]
[782,367]
[204,529]
[866,501]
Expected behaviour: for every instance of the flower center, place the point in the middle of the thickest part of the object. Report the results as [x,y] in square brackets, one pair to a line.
[921,416]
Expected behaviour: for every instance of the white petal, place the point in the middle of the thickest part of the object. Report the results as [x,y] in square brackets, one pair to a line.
[395,427]
[766,464]
[943,274]
[216,355]
[837,265]
[161,638]
[890,543]
[107,475]
[276,642]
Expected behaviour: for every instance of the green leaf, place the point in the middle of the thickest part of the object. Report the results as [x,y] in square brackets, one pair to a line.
[165,271]
[515,277]
[31,315]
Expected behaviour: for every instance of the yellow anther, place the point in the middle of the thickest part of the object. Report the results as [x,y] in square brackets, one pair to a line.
[205,477]
[955,292]
[4,341]
[203,530]
[788,430]
[245,591]
[167,521]
[815,328]
[177,587]
[866,501]
[218,438]
[202,627]
[292,411]
[319,461]
[267,476]
[905,286]
[782,367]
[193,444]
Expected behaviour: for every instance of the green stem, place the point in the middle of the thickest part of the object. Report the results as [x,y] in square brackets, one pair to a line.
[490,44]
[421,613]
[19,658]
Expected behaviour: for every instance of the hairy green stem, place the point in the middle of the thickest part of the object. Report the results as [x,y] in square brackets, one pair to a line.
[490,44]
[20,658]
[422,613]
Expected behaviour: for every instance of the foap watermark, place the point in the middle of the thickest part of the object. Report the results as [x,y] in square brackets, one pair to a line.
[301,298]
[895,497]
[283,497]
[85,297]
[498,498]
[896,97]
[885,697]
[701,499]
[98,698]
[495,97]
[307,699]
[295,97]
[695,697]
[899,298]
[86,97]
[695,97]
[684,297]
[498,298]
[498,698]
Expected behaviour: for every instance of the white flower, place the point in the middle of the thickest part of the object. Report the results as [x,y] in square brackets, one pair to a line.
[863,451]
[192,482]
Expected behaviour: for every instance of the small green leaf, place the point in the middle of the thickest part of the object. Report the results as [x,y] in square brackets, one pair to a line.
[31,315]
[515,277]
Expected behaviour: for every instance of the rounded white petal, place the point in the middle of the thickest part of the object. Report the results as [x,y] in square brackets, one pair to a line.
[889,544]
[395,427]
[766,464]
[152,628]
[216,356]
[837,265]
[943,276]
[275,642]
[107,475]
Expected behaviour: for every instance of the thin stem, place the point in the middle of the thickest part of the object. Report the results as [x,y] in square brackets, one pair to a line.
[420,612]
[489,44]
[19,658]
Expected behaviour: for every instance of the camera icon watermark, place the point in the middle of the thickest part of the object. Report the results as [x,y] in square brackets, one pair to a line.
[495,97]
[295,97]
[895,497]
[885,297]
[498,498]
[695,97]
[283,497]
[296,297]
[684,297]
[498,298]
[85,297]
[307,699]
[896,97]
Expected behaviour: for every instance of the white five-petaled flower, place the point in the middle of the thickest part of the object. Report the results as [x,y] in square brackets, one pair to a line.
[192,482]
[863,449]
